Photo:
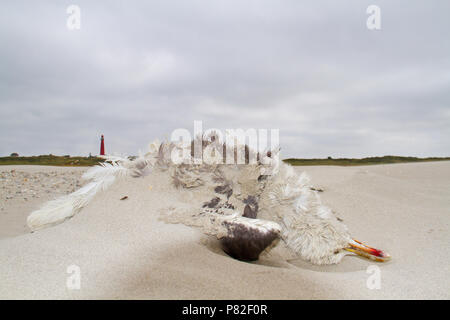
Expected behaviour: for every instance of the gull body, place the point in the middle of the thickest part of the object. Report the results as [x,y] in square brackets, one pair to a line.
[252,206]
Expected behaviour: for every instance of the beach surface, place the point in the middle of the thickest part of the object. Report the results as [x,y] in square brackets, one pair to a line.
[121,249]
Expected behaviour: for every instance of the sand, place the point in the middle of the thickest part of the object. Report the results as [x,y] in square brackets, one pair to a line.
[124,251]
[25,188]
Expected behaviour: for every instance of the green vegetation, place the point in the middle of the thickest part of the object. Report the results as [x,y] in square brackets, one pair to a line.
[359,162]
[51,160]
[66,161]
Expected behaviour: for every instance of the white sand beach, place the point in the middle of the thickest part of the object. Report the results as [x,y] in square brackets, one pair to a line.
[124,251]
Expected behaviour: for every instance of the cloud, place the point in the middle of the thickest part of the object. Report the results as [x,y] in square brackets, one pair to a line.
[135,72]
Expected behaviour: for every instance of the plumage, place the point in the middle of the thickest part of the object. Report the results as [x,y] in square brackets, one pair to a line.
[251,205]
[100,177]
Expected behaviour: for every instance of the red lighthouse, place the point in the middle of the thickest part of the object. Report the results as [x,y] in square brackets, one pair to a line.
[102,146]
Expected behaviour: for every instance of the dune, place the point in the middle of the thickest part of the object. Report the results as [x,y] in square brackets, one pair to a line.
[124,250]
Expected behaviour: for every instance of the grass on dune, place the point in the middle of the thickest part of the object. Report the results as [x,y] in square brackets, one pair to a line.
[66,161]
[359,162]
[51,160]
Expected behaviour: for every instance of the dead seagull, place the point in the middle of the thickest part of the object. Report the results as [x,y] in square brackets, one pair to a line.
[251,207]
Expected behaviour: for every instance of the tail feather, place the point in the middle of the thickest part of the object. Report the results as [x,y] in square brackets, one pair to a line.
[105,169]
[54,212]
[57,211]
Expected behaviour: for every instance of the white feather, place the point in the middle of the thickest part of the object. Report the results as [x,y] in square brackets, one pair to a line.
[58,210]
[104,170]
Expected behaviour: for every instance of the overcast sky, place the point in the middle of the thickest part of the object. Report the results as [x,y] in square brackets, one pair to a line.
[137,70]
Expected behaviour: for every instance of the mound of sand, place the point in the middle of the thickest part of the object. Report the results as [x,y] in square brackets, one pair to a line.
[124,250]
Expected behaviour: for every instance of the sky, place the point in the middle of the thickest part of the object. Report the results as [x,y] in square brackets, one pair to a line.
[137,70]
